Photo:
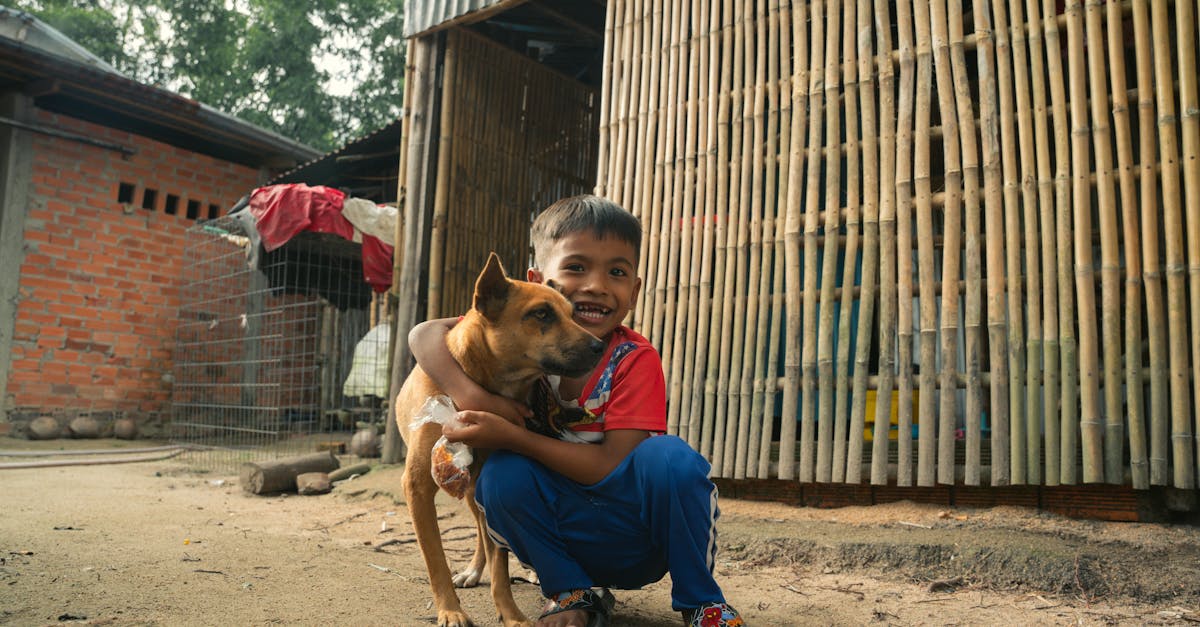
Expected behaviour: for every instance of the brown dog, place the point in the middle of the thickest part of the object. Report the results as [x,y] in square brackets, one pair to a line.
[514,334]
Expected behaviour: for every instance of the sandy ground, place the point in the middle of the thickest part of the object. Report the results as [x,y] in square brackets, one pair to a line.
[158,543]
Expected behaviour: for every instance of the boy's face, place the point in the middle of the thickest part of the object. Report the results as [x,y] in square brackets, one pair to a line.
[598,276]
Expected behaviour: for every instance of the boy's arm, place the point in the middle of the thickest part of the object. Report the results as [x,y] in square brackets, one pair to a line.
[427,342]
[583,463]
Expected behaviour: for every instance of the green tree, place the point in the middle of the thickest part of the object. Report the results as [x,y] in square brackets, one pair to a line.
[257,59]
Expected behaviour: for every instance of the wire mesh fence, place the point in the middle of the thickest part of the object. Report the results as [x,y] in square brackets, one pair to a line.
[278,353]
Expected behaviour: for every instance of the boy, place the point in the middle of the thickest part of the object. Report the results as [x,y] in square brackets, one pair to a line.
[614,502]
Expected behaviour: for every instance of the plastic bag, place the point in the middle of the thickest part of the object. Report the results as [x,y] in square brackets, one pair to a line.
[451,461]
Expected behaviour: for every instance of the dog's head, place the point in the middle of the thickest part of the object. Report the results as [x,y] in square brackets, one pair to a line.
[531,325]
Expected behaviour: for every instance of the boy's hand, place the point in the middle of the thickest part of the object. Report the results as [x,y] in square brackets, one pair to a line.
[482,429]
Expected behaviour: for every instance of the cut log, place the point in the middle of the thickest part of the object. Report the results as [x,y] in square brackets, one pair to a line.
[280,475]
[311,483]
[349,471]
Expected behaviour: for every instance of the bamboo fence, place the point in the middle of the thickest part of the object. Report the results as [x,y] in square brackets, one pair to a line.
[905,243]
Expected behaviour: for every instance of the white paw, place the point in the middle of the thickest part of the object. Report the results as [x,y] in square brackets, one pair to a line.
[468,578]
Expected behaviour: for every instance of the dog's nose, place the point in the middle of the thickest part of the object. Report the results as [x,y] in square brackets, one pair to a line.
[596,346]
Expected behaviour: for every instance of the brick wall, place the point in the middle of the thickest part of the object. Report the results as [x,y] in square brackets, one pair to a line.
[98,298]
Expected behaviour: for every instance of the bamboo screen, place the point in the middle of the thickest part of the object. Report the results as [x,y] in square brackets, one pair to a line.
[515,136]
[981,218]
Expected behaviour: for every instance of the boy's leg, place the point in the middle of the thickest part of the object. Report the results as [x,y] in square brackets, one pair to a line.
[679,510]
[572,536]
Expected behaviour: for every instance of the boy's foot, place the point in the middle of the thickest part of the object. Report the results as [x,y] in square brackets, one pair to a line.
[596,604]
[713,615]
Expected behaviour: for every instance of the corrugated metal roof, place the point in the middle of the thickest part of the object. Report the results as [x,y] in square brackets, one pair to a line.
[422,15]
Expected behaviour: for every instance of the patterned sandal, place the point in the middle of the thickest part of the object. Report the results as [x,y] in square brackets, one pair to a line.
[713,615]
[597,605]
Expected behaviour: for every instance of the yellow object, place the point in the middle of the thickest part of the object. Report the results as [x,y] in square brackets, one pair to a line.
[869,429]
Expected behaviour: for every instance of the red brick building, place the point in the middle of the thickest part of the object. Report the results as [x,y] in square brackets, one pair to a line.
[100,178]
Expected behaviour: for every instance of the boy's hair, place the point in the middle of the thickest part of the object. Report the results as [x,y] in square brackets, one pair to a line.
[580,213]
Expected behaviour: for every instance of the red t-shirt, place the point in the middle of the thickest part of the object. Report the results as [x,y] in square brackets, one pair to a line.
[627,390]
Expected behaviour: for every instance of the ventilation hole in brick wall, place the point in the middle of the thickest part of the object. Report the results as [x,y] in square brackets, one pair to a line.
[193,209]
[125,193]
[172,206]
[213,212]
[149,197]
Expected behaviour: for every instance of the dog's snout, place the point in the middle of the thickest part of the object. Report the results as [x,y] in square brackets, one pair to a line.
[596,346]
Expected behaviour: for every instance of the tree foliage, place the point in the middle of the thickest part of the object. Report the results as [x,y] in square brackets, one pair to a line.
[270,62]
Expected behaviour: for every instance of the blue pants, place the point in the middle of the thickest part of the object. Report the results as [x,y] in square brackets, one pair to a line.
[654,514]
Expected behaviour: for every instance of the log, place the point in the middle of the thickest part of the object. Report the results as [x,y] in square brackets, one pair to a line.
[312,483]
[279,475]
[345,472]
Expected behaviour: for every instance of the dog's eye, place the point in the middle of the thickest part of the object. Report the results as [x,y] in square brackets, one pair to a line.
[543,314]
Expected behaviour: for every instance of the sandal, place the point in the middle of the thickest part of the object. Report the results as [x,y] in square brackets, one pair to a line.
[713,615]
[598,605]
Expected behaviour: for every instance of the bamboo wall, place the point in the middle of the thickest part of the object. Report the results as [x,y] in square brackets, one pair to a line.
[989,210]
[514,137]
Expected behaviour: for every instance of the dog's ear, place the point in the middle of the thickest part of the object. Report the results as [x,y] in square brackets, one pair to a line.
[491,288]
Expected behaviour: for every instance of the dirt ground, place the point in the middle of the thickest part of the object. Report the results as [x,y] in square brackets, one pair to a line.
[158,543]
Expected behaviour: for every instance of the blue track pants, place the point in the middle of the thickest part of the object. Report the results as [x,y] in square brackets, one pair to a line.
[654,514]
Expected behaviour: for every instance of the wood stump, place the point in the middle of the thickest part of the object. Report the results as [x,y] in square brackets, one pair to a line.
[280,475]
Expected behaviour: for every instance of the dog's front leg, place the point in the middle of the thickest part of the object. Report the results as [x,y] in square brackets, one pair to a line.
[419,491]
[502,595]
[470,576]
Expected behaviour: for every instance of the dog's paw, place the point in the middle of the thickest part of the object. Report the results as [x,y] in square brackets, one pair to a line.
[447,618]
[468,578]
[522,622]
[526,574]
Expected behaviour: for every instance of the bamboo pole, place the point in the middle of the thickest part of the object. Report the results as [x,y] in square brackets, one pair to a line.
[1138,466]
[606,79]
[1181,458]
[724,148]
[870,263]
[1046,376]
[665,201]
[792,226]
[689,241]
[1089,357]
[994,219]
[626,81]
[1156,319]
[887,248]
[904,242]
[691,396]
[648,153]
[631,129]
[812,201]
[1029,360]
[1189,113]
[651,205]
[1111,432]
[441,199]
[750,249]
[728,386]
[674,298]
[853,230]
[825,324]
[951,251]
[928,330]
[760,420]
[646,127]
[786,116]
[973,315]
[1062,429]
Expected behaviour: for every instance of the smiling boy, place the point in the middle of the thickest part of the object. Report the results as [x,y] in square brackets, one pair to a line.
[615,502]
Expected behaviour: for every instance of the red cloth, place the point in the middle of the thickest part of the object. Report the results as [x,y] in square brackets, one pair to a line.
[282,211]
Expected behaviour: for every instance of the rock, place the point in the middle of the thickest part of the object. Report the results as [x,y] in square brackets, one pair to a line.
[125,429]
[44,428]
[84,427]
[365,443]
[311,483]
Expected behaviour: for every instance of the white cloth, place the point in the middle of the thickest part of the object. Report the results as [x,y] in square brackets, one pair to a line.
[368,371]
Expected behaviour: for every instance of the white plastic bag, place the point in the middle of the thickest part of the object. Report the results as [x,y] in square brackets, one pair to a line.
[451,461]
